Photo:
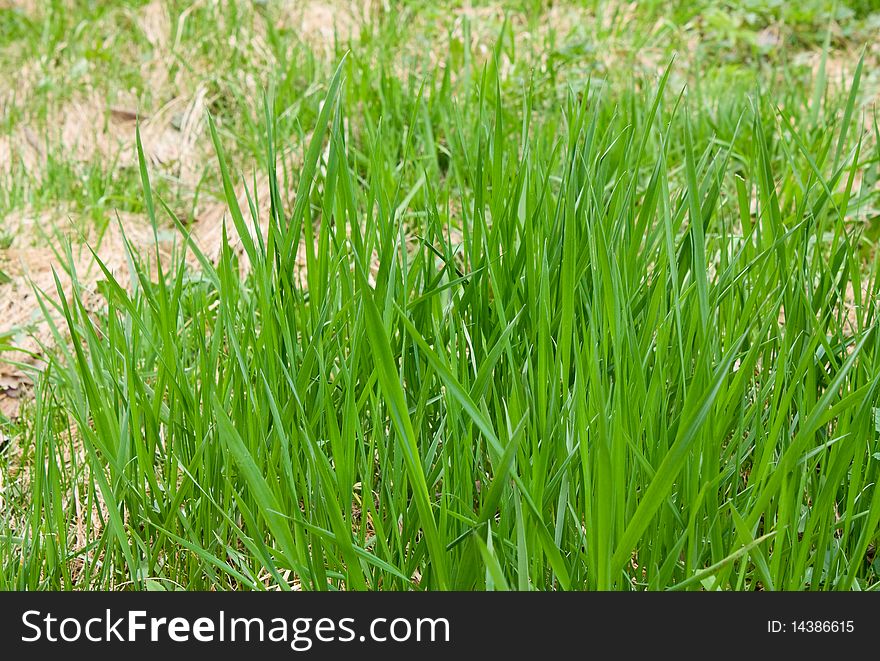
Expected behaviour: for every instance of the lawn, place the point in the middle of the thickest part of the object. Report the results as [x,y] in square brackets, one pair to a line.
[398,295]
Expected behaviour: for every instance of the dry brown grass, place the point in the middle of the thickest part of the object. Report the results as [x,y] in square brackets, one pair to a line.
[87,128]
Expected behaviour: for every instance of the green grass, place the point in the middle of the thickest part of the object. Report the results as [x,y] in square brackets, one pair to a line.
[506,331]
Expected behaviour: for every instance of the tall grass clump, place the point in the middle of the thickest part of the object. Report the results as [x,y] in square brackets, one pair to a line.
[616,344]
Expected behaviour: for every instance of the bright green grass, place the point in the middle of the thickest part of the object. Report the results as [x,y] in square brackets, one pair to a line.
[637,368]
[513,359]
